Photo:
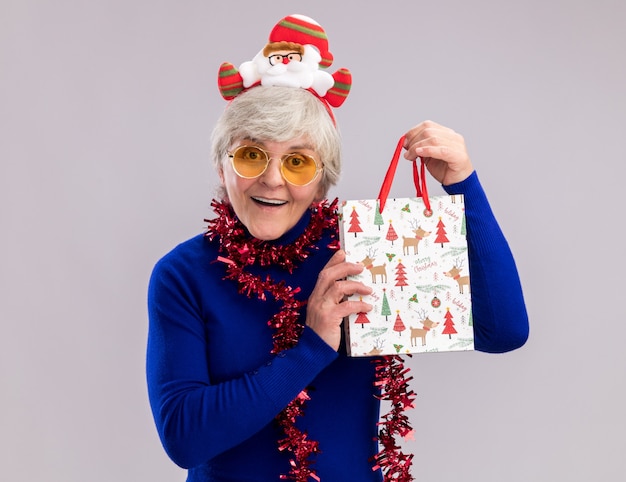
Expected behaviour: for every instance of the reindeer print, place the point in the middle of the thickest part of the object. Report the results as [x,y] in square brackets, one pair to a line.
[427,324]
[455,274]
[379,270]
[414,241]
[377,349]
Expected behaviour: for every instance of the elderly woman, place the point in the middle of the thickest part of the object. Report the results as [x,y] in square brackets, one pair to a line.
[245,319]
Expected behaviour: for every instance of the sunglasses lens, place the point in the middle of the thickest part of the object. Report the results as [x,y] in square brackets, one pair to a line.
[299,169]
[249,161]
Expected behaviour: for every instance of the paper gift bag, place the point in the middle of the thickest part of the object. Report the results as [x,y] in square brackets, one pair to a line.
[415,253]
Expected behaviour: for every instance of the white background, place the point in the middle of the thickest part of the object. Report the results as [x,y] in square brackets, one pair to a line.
[105,113]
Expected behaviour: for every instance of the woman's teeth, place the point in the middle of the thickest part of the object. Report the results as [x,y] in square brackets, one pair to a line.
[271,202]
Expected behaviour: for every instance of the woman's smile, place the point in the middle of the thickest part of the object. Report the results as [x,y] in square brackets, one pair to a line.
[268,202]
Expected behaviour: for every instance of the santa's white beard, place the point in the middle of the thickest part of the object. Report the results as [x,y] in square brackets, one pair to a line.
[304,74]
[293,74]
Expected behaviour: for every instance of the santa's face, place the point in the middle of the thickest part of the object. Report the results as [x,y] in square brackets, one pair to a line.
[281,61]
[284,57]
[288,68]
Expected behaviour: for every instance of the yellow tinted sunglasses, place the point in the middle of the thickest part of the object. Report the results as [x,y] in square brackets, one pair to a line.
[297,169]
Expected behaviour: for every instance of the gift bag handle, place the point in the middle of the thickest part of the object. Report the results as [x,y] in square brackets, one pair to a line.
[419,179]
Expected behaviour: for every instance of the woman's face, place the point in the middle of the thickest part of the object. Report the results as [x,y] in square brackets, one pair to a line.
[268,205]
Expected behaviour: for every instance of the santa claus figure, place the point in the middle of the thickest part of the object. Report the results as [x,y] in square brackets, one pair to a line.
[289,65]
[294,56]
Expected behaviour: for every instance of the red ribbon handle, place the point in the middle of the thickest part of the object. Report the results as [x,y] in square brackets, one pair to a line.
[419,179]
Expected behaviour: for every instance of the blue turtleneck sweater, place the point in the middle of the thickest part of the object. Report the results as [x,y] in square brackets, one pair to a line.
[215,389]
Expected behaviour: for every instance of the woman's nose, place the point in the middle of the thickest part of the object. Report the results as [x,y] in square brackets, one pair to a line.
[272,176]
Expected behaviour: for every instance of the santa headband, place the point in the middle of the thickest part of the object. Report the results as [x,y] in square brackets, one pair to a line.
[296,53]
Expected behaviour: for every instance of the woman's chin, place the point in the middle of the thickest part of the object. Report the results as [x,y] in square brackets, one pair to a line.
[266,232]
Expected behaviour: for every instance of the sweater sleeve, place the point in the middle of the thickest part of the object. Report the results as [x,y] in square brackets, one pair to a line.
[198,418]
[498,308]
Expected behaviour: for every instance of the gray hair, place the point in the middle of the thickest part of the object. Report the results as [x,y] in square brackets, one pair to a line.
[280,114]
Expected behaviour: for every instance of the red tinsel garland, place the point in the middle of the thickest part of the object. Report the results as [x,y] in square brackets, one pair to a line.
[391,377]
[242,250]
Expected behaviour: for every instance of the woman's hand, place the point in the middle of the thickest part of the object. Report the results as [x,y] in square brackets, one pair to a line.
[327,306]
[443,151]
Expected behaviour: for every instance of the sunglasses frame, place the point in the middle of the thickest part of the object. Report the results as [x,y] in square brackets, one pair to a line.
[283,158]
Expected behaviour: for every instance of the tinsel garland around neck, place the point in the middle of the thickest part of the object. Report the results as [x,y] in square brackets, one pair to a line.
[240,250]
[243,249]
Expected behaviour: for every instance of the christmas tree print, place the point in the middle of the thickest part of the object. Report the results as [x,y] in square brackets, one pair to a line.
[391,233]
[378,218]
[399,324]
[401,275]
[355,227]
[448,324]
[385,311]
[463,225]
[441,233]
[361,318]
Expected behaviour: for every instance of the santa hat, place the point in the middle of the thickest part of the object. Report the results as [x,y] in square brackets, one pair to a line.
[303,30]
